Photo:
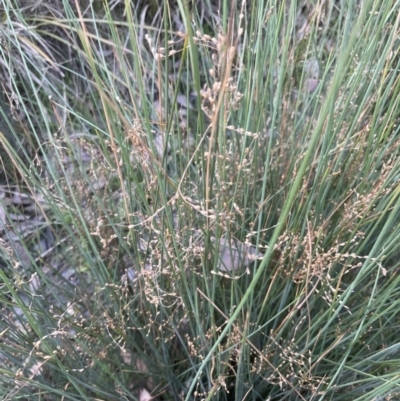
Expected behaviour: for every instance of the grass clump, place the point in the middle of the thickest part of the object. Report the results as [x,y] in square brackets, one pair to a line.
[199,201]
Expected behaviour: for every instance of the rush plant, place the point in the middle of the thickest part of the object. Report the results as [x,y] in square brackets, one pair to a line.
[199,200]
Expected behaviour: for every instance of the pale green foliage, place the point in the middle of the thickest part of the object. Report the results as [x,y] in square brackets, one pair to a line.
[204,201]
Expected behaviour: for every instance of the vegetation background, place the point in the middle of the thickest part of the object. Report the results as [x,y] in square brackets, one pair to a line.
[199,200]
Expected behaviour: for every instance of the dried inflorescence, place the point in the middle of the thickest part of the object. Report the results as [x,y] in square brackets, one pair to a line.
[298,367]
